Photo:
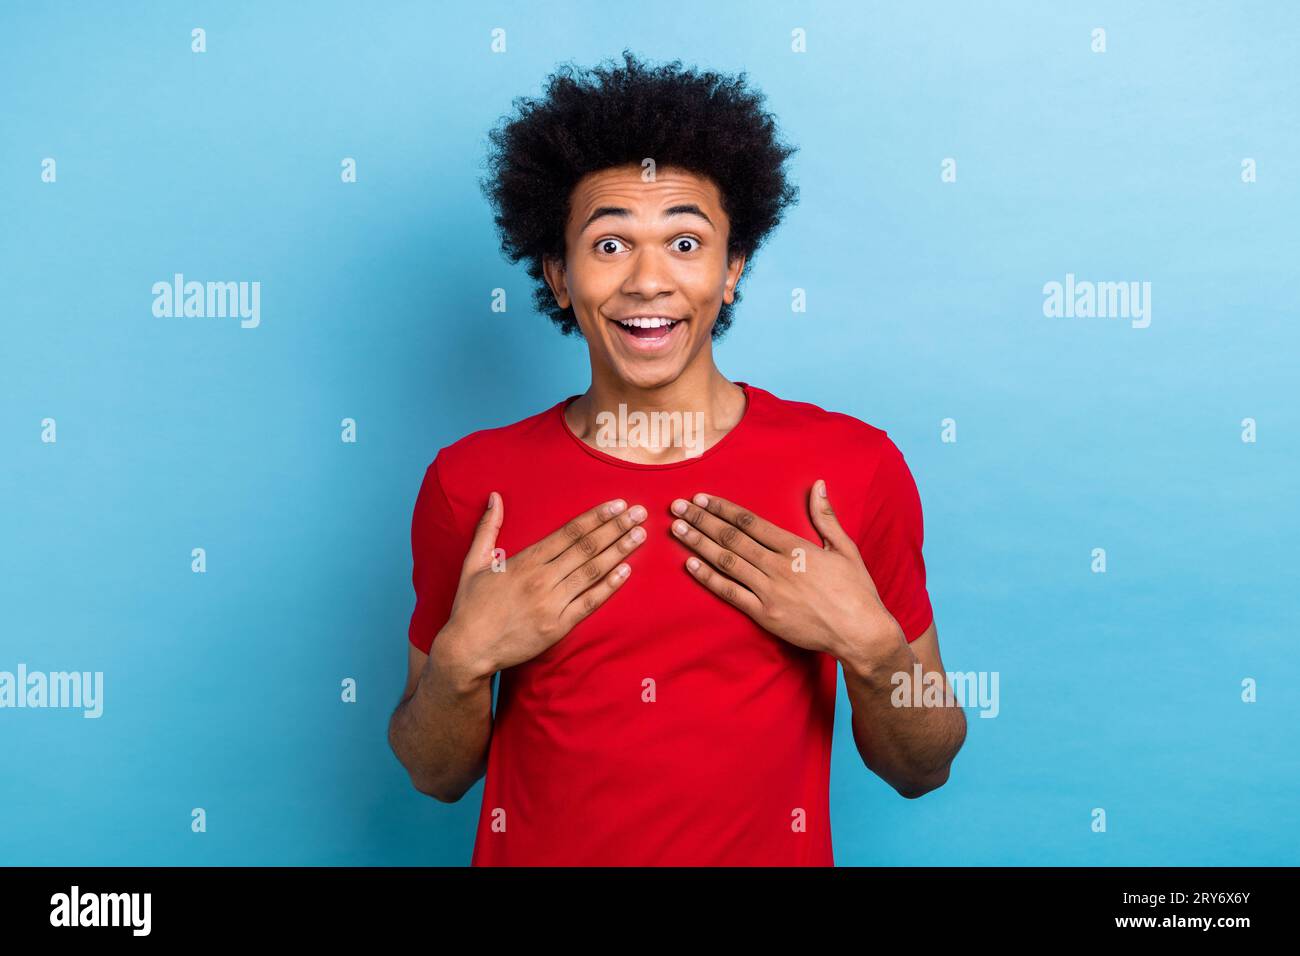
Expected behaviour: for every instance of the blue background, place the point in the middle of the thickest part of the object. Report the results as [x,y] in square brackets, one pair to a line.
[1118,690]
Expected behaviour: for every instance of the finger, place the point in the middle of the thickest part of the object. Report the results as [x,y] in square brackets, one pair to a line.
[761,530]
[592,598]
[725,560]
[594,542]
[724,587]
[479,555]
[573,529]
[825,521]
[591,571]
[727,535]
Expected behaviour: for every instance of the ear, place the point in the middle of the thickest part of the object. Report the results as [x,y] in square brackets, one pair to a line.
[735,266]
[553,270]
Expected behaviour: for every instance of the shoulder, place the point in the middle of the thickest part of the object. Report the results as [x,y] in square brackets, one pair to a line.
[864,445]
[461,467]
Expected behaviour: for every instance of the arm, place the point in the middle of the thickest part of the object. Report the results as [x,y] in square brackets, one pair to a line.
[441,729]
[910,748]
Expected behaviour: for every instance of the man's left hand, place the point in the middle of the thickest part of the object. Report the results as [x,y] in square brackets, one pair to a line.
[818,597]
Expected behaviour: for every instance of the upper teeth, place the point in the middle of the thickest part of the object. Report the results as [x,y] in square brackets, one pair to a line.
[654,322]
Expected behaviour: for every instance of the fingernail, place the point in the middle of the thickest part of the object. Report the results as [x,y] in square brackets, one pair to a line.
[679,527]
[490,494]
[701,500]
[822,491]
[638,534]
[679,507]
[623,570]
[616,506]
[693,563]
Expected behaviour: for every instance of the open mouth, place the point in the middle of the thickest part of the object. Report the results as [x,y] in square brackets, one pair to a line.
[649,333]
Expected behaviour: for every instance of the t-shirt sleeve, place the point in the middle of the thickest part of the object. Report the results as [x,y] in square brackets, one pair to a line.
[890,542]
[437,554]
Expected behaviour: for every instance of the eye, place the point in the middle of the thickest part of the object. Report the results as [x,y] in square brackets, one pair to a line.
[604,245]
[689,242]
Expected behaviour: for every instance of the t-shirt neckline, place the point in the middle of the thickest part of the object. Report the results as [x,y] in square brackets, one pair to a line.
[745,416]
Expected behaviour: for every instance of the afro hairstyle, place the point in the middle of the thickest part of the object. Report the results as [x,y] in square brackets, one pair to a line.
[612,115]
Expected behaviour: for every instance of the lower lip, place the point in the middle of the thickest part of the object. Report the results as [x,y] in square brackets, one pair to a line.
[660,341]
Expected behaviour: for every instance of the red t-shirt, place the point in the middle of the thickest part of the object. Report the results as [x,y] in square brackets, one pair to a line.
[727,760]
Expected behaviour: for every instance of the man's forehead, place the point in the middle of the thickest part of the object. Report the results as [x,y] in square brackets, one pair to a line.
[628,187]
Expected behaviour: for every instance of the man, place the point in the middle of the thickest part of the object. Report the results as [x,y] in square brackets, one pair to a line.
[666,606]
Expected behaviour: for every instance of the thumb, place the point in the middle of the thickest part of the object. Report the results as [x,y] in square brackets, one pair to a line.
[824,520]
[485,535]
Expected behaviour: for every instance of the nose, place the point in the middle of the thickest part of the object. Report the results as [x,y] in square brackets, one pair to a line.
[648,275]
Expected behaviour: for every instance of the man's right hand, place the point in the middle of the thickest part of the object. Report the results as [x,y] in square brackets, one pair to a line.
[501,618]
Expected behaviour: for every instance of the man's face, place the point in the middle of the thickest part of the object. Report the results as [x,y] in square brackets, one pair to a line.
[654,252]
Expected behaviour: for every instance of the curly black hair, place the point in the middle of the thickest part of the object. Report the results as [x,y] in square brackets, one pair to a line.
[612,115]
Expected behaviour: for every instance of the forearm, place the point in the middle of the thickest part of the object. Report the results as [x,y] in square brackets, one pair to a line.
[441,733]
[911,748]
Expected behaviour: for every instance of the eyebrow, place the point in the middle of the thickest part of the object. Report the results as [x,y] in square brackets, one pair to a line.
[685,209]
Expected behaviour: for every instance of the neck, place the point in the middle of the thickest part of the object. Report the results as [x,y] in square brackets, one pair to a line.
[708,404]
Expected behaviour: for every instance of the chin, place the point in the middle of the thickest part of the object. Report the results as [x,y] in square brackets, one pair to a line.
[648,379]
